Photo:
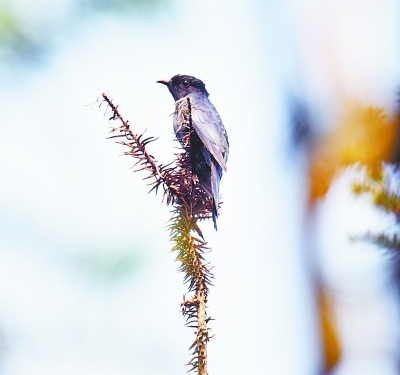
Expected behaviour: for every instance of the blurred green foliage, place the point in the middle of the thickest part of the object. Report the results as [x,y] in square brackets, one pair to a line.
[109,267]
[383,188]
[27,37]
[7,23]
[140,5]
[14,40]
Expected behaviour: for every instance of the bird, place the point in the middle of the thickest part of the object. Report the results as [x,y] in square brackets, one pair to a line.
[209,145]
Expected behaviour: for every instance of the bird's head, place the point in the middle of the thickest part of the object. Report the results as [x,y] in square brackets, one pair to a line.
[180,86]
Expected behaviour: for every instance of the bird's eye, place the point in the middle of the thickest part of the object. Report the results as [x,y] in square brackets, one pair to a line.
[185,83]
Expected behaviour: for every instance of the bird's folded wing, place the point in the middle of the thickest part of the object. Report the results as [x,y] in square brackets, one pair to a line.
[208,126]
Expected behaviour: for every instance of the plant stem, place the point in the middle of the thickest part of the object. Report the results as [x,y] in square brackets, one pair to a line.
[202,333]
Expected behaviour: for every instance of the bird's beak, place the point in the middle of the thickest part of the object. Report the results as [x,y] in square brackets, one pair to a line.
[167,83]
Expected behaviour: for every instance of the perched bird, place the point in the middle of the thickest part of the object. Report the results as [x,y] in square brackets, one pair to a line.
[209,146]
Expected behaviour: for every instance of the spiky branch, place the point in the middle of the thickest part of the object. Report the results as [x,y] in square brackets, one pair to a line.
[190,204]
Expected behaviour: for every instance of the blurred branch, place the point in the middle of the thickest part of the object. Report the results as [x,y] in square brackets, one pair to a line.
[383,241]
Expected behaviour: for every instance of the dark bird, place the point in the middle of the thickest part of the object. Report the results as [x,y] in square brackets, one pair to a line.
[209,145]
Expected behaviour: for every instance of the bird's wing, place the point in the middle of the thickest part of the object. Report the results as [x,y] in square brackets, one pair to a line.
[208,126]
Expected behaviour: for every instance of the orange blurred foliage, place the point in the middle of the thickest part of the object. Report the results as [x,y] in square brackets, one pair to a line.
[329,337]
[365,135]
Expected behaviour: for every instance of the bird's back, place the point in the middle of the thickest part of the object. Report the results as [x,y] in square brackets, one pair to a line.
[207,124]
[210,146]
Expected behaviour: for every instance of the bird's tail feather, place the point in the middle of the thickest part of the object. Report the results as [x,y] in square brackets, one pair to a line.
[215,191]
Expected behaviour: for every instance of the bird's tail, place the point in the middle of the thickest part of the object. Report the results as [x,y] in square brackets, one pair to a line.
[210,184]
[215,215]
[215,177]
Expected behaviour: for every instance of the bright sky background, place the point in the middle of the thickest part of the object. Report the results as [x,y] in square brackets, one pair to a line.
[72,214]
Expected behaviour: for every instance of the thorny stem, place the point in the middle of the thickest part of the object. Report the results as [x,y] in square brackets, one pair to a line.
[198,275]
[202,334]
[129,134]
[190,204]
[138,150]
